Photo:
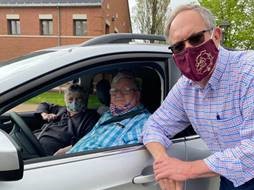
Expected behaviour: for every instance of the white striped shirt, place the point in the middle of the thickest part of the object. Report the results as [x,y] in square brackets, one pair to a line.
[222,114]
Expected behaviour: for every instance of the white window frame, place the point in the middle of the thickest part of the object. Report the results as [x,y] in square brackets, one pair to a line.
[79,24]
[46,26]
[14,27]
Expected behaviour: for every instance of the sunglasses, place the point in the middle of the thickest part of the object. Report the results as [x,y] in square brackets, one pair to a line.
[194,40]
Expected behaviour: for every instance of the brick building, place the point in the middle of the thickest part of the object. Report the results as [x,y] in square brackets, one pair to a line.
[29,25]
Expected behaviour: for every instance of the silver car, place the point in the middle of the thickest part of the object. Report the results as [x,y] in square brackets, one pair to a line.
[127,167]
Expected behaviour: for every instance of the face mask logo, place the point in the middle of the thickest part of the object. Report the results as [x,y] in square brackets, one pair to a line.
[196,63]
[204,62]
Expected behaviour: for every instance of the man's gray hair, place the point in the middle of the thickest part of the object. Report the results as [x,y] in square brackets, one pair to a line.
[206,14]
[128,76]
[74,88]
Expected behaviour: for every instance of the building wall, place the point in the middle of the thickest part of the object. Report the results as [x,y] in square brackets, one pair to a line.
[116,13]
[29,40]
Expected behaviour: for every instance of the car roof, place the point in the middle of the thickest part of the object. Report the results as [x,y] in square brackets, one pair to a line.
[48,60]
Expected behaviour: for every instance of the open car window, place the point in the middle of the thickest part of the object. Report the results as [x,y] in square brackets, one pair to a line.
[152,93]
[54,96]
[151,97]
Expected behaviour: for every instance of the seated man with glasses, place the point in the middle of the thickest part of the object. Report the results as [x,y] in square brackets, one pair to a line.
[124,121]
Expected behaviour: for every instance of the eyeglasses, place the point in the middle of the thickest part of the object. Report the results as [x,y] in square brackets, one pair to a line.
[195,40]
[124,91]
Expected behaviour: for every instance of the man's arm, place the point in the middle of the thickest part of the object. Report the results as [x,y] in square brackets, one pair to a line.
[179,170]
[172,168]
[157,150]
[49,112]
[157,130]
[169,119]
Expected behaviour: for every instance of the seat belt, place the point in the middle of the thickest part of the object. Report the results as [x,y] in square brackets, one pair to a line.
[124,116]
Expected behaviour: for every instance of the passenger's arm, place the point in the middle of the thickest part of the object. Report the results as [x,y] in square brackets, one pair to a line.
[62,151]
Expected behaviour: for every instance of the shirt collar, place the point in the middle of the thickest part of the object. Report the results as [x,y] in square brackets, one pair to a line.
[220,67]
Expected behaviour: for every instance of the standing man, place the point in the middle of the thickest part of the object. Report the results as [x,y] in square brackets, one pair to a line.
[215,95]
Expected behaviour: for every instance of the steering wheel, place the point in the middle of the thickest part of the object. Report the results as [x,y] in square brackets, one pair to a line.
[24,137]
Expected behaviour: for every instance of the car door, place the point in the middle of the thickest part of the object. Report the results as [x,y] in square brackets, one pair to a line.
[196,149]
[109,169]
[114,168]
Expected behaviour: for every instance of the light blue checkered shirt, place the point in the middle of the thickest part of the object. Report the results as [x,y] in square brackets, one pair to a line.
[222,114]
[127,131]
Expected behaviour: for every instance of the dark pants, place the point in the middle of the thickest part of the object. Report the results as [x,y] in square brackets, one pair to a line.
[225,184]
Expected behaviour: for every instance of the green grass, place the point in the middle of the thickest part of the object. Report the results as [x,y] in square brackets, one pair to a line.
[93,102]
[52,97]
[58,98]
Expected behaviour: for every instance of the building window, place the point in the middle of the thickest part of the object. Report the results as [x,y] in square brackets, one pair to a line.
[46,26]
[13,26]
[80,27]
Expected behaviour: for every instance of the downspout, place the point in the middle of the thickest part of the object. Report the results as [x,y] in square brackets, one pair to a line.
[59,24]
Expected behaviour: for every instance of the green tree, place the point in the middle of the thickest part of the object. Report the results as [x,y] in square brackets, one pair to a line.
[240,16]
[149,16]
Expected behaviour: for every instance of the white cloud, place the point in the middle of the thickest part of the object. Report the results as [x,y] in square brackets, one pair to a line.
[175,3]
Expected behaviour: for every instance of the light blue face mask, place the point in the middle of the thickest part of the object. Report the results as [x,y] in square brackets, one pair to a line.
[74,106]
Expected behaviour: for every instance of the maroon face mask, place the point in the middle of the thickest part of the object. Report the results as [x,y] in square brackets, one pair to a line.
[197,62]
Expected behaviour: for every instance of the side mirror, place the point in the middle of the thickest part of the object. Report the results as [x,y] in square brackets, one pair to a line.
[12,165]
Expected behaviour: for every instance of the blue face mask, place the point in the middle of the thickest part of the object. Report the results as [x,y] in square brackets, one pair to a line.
[74,106]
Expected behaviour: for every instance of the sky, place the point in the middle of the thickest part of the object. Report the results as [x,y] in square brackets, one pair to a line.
[132,3]
[173,4]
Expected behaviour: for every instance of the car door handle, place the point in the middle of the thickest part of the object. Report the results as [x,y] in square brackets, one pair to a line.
[143,179]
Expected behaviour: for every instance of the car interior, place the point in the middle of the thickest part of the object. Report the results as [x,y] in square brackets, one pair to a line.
[21,125]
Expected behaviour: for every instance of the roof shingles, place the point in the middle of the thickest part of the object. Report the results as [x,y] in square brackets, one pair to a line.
[49,2]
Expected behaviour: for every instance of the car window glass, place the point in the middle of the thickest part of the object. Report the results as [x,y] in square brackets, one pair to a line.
[54,96]
[151,95]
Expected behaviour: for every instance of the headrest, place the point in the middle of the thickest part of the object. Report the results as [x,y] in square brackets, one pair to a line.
[102,91]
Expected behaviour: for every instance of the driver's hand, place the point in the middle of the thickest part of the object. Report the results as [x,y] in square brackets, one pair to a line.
[48,116]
